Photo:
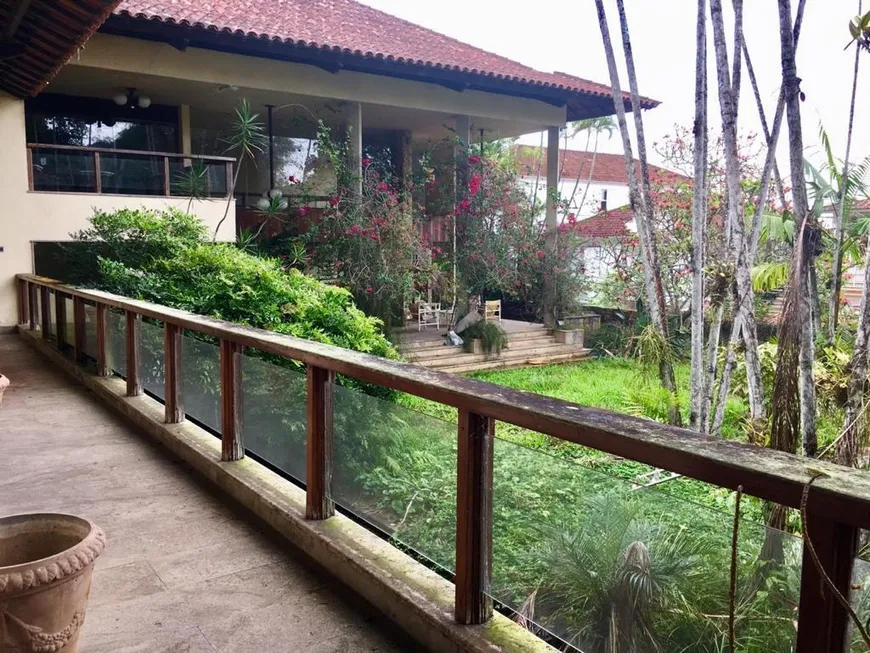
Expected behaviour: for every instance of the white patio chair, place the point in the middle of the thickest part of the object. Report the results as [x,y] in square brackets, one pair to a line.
[428,314]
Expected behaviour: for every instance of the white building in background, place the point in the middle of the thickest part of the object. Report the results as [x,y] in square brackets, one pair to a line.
[605,217]
[604,174]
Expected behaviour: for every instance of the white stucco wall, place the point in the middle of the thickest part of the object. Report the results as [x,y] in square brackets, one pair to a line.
[617,194]
[33,216]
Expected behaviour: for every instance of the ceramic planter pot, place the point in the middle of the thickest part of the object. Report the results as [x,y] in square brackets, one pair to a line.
[46,563]
[474,346]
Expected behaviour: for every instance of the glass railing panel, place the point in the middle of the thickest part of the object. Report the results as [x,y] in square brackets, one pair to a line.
[274,419]
[117,342]
[197,178]
[152,368]
[860,596]
[91,330]
[132,174]
[201,381]
[69,326]
[396,469]
[67,171]
[606,564]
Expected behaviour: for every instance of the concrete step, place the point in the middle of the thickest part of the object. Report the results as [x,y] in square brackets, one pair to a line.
[434,353]
[408,346]
[504,364]
[553,349]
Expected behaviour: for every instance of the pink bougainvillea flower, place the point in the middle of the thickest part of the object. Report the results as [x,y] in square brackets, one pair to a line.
[354,230]
[474,159]
[370,290]
[366,162]
[305,210]
[542,254]
[333,201]
[292,179]
[474,184]
[383,186]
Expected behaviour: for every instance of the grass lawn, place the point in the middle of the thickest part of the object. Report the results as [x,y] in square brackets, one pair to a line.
[613,384]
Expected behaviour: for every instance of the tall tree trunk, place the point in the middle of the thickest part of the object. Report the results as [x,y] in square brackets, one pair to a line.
[639,196]
[848,446]
[712,363]
[772,142]
[769,138]
[805,242]
[697,417]
[743,301]
[839,214]
[577,181]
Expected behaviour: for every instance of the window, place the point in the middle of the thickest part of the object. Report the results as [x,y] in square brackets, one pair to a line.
[69,121]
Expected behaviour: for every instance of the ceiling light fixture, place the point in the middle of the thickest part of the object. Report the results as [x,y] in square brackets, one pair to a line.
[132,99]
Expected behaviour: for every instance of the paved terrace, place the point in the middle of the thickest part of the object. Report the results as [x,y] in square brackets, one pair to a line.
[184,570]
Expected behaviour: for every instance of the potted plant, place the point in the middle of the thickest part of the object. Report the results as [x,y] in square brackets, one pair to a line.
[46,563]
[484,338]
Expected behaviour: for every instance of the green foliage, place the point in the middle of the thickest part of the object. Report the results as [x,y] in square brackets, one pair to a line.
[767,357]
[831,373]
[767,277]
[491,335]
[163,258]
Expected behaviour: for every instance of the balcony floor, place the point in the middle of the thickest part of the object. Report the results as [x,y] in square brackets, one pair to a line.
[184,571]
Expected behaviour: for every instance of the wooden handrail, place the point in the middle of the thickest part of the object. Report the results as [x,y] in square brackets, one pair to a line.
[843,495]
[109,150]
[839,504]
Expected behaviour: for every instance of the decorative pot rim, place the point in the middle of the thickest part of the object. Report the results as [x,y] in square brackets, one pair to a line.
[51,569]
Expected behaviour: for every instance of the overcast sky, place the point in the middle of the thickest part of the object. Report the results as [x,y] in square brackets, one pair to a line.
[563,35]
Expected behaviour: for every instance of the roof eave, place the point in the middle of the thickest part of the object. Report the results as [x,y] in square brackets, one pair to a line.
[579,104]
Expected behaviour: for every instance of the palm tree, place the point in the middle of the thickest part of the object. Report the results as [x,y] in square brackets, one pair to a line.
[618,572]
[593,127]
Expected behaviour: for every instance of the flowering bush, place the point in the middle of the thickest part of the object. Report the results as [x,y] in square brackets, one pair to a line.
[502,239]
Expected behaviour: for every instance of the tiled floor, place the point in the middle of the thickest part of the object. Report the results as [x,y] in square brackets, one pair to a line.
[184,571]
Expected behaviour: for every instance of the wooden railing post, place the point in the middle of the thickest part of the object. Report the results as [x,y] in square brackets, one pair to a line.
[45,311]
[102,314]
[474,518]
[32,304]
[823,624]
[79,333]
[23,311]
[98,174]
[172,376]
[232,447]
[60,319]
[167,180]
[134,382]
[318,465]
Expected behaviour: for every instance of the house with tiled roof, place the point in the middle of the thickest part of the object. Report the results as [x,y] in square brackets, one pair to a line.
[103,104]
[604,174]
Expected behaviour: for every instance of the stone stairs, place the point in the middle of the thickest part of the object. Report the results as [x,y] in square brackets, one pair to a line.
[535,346]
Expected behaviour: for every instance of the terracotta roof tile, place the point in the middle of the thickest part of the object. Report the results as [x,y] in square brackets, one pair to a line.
[576,164]
[350,27]
[607,224]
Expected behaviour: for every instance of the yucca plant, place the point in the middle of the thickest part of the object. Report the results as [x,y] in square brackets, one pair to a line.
[246,139]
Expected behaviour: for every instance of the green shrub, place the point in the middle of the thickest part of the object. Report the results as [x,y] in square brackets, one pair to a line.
[162,257]
[491,335]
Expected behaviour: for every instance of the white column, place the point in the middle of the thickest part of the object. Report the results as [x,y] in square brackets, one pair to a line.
[354,126]
[551,221]
[184,128]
